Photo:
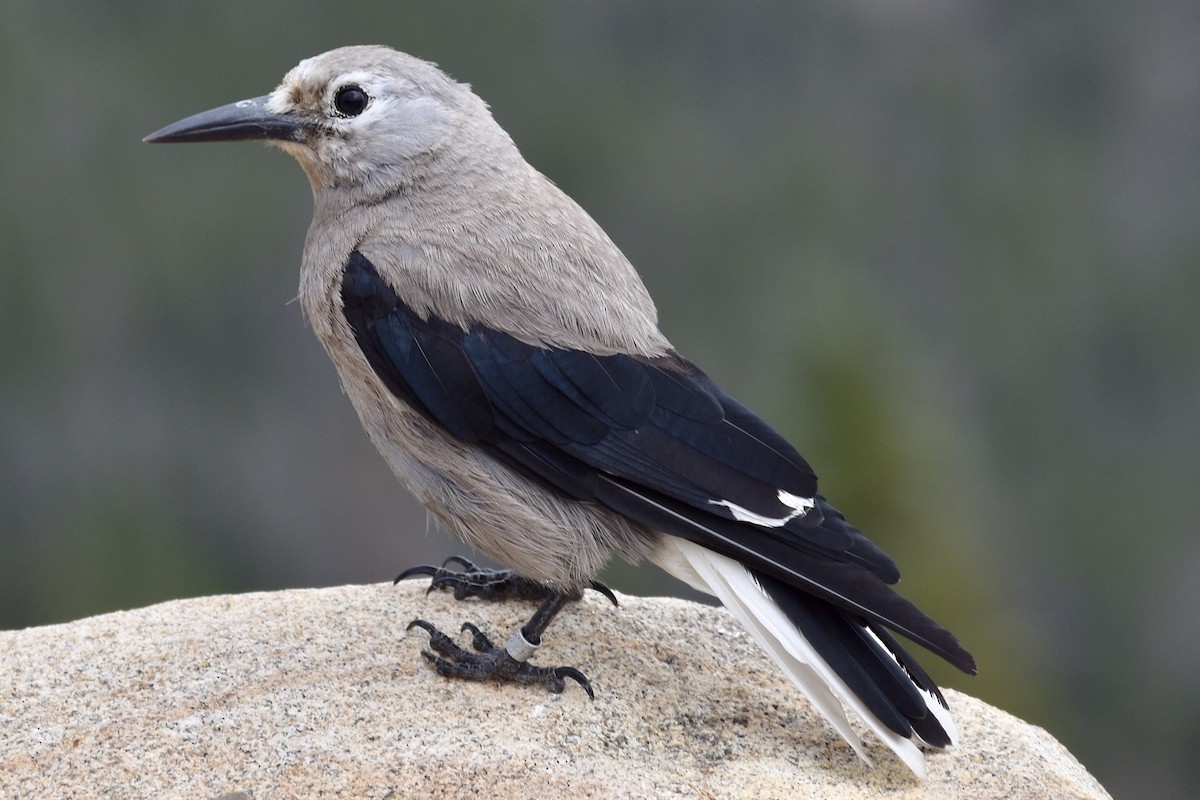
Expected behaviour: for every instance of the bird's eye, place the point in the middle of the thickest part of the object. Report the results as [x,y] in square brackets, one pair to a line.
[350,101]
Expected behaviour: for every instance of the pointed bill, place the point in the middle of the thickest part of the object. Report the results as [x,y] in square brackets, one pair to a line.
[245,119]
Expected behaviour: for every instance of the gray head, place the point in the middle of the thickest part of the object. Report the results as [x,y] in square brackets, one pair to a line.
[362,119]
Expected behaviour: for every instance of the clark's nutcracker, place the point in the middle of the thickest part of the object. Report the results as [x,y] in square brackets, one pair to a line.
[506,360]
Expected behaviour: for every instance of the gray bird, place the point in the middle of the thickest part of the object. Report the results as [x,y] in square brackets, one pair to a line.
[505,358]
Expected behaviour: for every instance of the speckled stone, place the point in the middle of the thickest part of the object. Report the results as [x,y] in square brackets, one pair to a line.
[322,693]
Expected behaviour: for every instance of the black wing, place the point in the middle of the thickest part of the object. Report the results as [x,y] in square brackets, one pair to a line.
[653,439]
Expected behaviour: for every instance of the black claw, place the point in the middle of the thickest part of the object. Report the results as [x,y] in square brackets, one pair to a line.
[440,580]
[576,675]
[604,590]
[479,639]
[468,566]
[439,641]
[420,569]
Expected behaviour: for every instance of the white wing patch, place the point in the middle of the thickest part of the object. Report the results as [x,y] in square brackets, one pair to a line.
[799,505]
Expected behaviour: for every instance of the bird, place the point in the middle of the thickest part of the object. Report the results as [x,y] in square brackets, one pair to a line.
[505,358]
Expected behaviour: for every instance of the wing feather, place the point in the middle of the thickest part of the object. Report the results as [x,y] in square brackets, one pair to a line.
[654,439]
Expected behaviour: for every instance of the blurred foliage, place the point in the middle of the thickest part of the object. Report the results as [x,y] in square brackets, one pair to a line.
[949,249]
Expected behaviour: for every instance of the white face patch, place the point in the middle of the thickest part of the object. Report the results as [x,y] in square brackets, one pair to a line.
[412,109]
[800,506]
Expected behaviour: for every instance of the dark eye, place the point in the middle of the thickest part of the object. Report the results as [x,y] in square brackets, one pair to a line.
[350,101]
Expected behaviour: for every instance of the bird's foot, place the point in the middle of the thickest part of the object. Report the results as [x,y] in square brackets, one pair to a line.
[488,584]
[489,662]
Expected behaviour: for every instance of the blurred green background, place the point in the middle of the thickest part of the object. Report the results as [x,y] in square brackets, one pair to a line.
[951,250]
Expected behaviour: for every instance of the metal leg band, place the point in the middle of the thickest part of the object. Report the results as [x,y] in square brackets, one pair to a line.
[519,648]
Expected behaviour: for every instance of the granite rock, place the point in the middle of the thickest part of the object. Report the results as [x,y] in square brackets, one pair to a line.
[322,693]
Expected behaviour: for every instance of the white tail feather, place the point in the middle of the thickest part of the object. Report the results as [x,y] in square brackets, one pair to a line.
[736,588]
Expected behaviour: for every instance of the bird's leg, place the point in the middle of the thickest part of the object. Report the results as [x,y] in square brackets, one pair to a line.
[488,584]
[507,663]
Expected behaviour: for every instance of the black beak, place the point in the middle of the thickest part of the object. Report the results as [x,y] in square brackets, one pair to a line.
[245,119]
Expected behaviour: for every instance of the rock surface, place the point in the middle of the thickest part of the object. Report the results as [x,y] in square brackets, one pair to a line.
[321,692]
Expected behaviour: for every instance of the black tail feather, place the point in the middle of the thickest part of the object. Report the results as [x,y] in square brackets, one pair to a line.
[875,668]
